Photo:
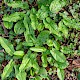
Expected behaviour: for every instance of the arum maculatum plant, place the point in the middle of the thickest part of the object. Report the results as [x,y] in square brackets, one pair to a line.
[40,32]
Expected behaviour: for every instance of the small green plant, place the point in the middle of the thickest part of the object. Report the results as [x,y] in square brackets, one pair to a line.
[39,31]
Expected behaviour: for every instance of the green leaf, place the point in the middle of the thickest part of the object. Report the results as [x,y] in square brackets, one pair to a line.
[43,73]
[43,2]
[66,50]
[1,57]
[42,12]
[21,75]
[61,65]
[44,60]
[50,60]
[35,66]
[58,56]
[19,46]
[63,29]
[50,42]
[7,46]
[34,62]
[8,25]
[38,78]
[25,61]
[16,67]
[60,73]
[71,23]
[18,4]
[19,53]
[14,17]
[56,45]
[52,26]
[42,37]
[32,72]
[40,27]
[27,37]
[38,49]
[26,22]
[34,21]
[29,60]
[28,66]
[19,27]
[57,5]
[7,70]
[30,43]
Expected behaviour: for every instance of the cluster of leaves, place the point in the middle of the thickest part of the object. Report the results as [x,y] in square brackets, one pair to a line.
[44,31]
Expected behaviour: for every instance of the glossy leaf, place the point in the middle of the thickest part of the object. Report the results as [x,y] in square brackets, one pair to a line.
[38,49]
[43,34]
[50,60]
[60,73]
[71,23]
[19,53]
[56,45]
[32,63]
[58,56]
[14,17]
[7,46]
[26,22]
[61,65]
[19,27]
[34,21]
[19,46]
[42,37]
[35,66]
[24,63]
[63,28]
[21,75]
[43,73]
[44,60]
[66,50]
[18,4]
[7,70]
[40,26]
[42,12]
[8,25]
[30,43]
[51,25]
[57,5]
[43,2]
[50,42]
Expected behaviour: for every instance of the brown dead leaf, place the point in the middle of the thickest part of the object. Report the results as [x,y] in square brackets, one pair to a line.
[76,63]
[39,60]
